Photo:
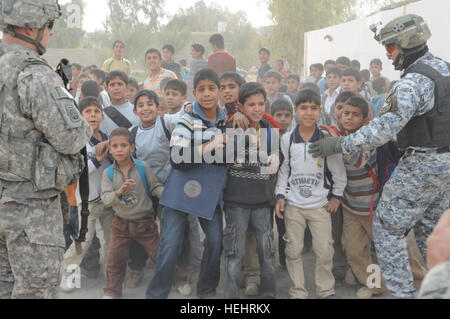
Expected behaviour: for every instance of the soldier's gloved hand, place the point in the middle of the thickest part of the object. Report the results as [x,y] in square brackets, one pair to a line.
[326,147]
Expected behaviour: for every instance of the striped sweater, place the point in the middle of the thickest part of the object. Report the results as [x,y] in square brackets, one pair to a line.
[192,131]
[360,193]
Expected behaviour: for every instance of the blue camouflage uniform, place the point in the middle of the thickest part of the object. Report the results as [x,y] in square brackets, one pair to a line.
[418,192]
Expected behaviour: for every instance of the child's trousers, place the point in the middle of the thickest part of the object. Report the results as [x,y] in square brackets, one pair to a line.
[145,232]
[97,211]
[319,222]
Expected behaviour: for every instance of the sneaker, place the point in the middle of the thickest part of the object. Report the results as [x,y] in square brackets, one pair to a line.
[251,290]
[185,290]
[364,293]
[134,278]
[66,285]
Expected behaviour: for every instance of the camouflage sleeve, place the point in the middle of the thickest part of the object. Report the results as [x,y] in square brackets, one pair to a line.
[436,284]
[52,109]
[405,102]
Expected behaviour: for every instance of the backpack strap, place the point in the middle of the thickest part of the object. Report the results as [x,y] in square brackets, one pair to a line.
[166,131]
[134,134]
[117,117]
[110,172]
[141,169]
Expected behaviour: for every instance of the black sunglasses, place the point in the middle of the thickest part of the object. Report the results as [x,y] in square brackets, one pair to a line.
[50,24]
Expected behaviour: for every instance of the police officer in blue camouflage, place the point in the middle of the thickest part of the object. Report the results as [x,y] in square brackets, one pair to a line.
[418,113]
[41,135]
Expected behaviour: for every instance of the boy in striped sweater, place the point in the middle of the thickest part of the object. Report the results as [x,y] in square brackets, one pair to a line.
[360,197]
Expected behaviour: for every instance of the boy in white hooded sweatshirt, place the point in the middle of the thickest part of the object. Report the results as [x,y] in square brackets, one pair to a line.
[308,191]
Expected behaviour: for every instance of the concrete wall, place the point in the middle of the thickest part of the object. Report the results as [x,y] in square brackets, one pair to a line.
[355,40]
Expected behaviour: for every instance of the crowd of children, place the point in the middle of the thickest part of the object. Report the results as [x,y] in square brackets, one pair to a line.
[182,123]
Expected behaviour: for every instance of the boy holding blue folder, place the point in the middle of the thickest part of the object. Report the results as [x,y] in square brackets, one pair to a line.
[195,176]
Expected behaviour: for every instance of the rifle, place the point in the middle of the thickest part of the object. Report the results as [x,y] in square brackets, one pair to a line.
[64,70]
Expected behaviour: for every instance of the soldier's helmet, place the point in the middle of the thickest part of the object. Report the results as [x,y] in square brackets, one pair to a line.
[408,32]
[28,13]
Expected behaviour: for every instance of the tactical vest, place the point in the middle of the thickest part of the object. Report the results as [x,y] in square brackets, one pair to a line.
[432,129]
[25,154]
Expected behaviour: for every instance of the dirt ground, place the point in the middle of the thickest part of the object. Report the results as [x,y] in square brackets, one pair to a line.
[93,288]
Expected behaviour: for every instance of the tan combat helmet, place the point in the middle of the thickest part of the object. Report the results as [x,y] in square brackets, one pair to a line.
[35,14]
[409,33]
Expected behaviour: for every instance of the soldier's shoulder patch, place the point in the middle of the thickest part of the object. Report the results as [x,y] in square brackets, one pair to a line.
[390,104]
[67,107]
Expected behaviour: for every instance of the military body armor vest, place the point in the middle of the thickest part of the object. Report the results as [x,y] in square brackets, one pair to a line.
[432,129]
[25,154]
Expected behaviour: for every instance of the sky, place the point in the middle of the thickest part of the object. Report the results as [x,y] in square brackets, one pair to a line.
[256,10]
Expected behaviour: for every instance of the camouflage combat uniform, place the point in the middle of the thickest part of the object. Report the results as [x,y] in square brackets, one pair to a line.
[38,139]
[437,283]
[418,192]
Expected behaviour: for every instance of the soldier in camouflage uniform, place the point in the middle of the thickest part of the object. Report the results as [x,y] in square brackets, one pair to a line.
[41,134]
[418,192]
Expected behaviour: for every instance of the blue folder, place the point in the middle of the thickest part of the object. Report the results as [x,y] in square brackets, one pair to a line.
[196,191]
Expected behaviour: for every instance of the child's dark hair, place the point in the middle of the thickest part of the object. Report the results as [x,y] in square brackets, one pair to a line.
[281,105]
[334,70]
[379,84]
[152,96]
[85,75]
[295,77]
[355,64]
[249,89]
[162,85]
[206,74]
[183,62]
[153,50]
[217,40]
[264,50]
[310,86]
[90,88]
[199,48]
[332,62]
[376,62]
[272,74]
[359,102]
[352,72]
[99,74]
[318,66]
[134,83]
[308,96]
[344,96]
[118,41]
[116,74]
[344,61]
[169,47]
[234,77]
[89,101]
[122,132]
[365,74]
[77,66]
[176,85]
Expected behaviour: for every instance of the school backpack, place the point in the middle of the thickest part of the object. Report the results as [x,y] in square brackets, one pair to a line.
[388,157]
[141,169]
